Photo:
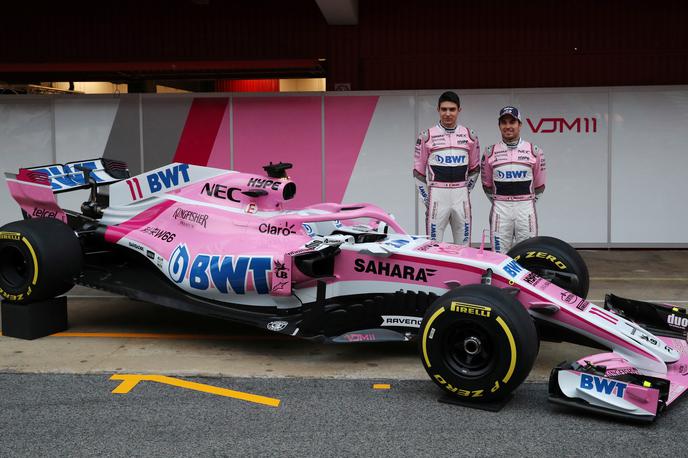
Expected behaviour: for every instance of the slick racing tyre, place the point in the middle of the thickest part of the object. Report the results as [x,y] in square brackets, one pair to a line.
[554,260]
[39,259]
[478,343]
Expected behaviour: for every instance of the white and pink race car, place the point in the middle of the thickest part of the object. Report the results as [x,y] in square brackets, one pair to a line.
[221,243]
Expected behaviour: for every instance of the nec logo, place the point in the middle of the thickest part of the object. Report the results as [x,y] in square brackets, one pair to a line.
[602,385]
[511,174]
[554,125]
[451,159]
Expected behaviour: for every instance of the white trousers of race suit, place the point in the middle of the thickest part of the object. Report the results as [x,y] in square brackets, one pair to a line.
[511,222]
[447,206]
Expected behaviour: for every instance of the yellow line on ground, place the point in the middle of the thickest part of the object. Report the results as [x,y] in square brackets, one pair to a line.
[129,381]
[381,386]
[639,279]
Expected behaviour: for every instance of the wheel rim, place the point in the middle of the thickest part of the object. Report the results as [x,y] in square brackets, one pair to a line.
[469,350]
[13,267]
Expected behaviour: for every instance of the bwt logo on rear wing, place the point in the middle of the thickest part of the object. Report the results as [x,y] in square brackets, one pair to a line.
[158,181]
[72,175]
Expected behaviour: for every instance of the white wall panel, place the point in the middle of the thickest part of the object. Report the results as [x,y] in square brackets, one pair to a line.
[25,139]
[382,174]
[82,127]
[649,166]
[574,206]
[592,198]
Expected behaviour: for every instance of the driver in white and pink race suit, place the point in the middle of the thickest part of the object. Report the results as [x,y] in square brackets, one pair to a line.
[513,176]
[446,166]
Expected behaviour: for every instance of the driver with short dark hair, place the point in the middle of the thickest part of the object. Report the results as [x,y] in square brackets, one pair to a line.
[446,166]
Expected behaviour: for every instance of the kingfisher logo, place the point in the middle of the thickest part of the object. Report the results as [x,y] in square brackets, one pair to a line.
[229,274]
[559,125]
[602,385]
[451,159]
[511,174]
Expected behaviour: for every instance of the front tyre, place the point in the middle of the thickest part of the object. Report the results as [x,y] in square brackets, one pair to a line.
[478,343]
[554,260]
[39,259]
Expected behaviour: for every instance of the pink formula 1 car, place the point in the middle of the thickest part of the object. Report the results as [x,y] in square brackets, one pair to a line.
[220,243]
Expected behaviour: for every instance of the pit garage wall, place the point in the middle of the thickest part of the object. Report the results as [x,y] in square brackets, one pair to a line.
[615,156]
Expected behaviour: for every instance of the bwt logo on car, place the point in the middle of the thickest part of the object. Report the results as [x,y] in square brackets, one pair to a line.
[511,174]
[451,159]
[552,125]
[62,176]
[602,385]
[167,178]
[228,273]
[397,243]
[513,268]
[309,230]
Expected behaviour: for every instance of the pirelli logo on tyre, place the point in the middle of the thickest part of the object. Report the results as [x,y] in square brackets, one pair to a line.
[456,390]
[10,236]
[471,309]
[14,297]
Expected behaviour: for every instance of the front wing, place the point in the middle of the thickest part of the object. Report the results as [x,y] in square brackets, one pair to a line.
[608,384]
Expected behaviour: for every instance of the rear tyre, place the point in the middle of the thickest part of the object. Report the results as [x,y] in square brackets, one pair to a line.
[554,260]
[39,259]
[478,343]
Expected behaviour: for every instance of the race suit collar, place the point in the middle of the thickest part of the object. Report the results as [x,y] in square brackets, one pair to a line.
[513,144]
[447,129]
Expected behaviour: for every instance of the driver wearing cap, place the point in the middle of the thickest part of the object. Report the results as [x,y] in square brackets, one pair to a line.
[513,177]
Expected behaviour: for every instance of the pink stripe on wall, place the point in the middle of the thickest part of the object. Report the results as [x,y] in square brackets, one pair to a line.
[346,123]
[201,130]
[286,129]
[220,156]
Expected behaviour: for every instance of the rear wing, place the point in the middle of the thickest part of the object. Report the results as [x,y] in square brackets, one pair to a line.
[34,188]
[75,175]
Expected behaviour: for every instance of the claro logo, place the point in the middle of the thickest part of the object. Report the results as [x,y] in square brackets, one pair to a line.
[561,125]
